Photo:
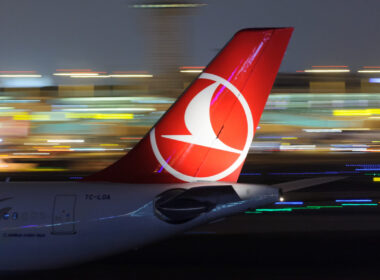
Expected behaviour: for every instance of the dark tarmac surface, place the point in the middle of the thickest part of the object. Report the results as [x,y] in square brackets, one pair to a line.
[307,243]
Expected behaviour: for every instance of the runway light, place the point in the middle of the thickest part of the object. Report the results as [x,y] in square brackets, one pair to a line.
[273,210]
[359,204]
[352,200]
[317,207]
[289,203]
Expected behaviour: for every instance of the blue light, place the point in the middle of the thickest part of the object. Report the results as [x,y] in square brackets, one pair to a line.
[250,174]
[313,173]
[363,165]
[353,200]
[367,169]
[289,203]
[374,80]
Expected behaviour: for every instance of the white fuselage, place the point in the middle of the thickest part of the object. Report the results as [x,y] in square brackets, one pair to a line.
[46,225]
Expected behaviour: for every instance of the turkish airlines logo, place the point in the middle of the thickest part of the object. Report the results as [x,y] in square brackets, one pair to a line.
[220,159]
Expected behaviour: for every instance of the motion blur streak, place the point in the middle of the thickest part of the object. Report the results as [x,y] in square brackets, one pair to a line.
[340,115]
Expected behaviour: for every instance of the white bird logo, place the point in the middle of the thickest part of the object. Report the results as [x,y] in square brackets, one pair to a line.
[198,122]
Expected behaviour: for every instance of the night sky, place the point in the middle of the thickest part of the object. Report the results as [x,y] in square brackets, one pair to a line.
[44,35]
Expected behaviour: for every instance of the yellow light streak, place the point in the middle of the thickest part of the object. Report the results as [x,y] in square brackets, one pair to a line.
[376,179]
[356,112]
[109,145]
[99,116]
[31,117]
[46,169]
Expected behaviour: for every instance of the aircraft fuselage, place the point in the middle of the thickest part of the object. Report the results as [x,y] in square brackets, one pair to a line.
[46,225]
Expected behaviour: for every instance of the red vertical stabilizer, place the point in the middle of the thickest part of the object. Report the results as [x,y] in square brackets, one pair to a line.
[207,133]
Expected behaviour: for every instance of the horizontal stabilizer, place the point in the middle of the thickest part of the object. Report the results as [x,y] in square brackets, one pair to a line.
[306,183]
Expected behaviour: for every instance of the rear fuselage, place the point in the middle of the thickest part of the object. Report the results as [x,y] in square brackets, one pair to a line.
[53,224]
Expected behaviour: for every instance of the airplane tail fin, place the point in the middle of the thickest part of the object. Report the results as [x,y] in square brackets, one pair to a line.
[207,133]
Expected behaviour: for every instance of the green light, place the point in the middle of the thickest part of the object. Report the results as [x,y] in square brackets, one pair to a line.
[372,174]
[359,204]
[274,210]
[317,207]
[310,207]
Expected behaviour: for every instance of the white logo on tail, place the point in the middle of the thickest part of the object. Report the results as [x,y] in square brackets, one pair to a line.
[198,122]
